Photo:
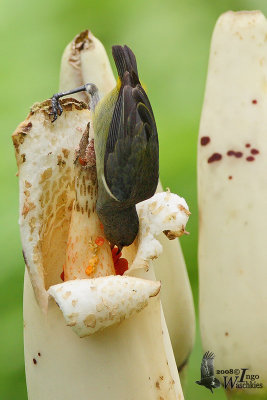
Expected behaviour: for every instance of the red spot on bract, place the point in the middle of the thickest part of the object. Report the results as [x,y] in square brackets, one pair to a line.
[254,101]
[230,177]
[254,151]
[248,144]
[34,361]
[115,254]
[250,158]
[215,157]
[62,274]
[230,152]
[99,241]
[82,161]
[237,154]
[204,140]
[120,264]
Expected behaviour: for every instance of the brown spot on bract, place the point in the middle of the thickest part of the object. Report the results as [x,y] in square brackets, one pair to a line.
[254,101]
[183,209]
[171,235]
[250,158]
[27,207]
[248,144]
[90,321]
[32,224]
[26,128]
[230,177]
[226,334]
[39,354]
[66,295]
[65,152]
[46,175]
[157,385]
[60,161]
[72,319]
[34,361]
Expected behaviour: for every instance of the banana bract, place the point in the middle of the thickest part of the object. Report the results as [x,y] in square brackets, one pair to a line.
[85,60]
[91,329]
[232,187]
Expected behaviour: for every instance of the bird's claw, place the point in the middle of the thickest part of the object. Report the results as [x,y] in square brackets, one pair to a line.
[56,107]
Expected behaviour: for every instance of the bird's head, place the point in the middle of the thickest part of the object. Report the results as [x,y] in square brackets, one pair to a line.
[120,225]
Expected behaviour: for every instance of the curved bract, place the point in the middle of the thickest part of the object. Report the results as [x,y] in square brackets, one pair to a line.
[232,185]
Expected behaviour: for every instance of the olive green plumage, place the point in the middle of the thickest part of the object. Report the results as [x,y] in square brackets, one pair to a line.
[127,154]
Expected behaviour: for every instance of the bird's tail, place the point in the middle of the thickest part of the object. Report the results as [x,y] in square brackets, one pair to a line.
[125,60]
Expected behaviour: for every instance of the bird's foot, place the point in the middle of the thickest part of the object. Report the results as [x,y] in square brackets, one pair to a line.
[90,88]
[56,106]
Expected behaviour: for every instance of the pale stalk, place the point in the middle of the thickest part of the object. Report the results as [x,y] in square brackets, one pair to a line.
[232,192]
[84,257]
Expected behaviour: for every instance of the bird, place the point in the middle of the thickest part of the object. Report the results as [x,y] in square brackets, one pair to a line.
[207,372]
[126,147]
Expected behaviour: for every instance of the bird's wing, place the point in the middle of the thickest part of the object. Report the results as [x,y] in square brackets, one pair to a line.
[131,156]
[207,368]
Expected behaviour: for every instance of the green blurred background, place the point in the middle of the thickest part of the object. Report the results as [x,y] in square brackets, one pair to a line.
[171,40]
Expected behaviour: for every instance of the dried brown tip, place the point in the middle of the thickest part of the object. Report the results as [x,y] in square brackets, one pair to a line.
[82,41]
[183,209]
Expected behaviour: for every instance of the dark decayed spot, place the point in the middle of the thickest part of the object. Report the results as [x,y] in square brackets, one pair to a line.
[230,152]
[34,361]
[250,158]
[215,157]
[254,151]
[237,154]
[254,101]
[39,354]
[230,177]
[248,145]
[204,140]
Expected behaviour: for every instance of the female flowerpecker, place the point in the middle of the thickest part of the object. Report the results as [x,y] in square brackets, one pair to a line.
[126,147]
